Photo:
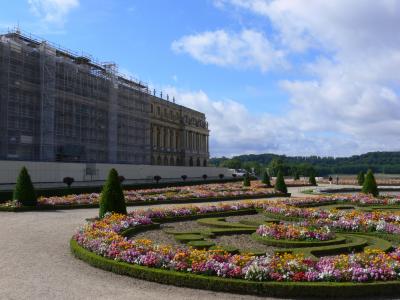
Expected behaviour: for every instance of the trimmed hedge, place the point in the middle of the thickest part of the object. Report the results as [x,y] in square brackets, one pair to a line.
[297,244]
[240,286]
[201,244]
[222,223]
[354,243]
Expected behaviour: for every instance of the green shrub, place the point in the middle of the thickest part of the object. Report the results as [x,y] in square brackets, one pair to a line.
[312,180]
[280,185]
[24,191]
[266,180]
[369,186]
[246,180]
[112,197]
[201,244]
[361,178]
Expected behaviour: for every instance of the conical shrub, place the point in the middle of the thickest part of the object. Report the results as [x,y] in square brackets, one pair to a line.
[280,185]
[112,196]
[246,180]
[369,186]
[24,191]
[312,180]
[266,180]
[361,178]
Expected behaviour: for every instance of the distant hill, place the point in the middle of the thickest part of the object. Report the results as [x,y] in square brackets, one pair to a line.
[379,162]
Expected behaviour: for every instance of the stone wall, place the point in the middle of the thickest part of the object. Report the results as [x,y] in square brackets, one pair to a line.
[55,172]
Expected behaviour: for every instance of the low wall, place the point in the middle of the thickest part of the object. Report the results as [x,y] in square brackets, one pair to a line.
[52,172]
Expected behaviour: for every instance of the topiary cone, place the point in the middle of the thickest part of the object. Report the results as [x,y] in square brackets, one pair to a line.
[266,180]
[361,178]
[369,186]
[312,180]
[24,192]
[112,196]
[246,180]
[280,185]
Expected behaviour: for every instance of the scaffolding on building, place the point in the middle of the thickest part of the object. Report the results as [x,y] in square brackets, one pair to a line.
[57,105]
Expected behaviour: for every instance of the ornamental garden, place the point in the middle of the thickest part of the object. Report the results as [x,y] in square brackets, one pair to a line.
[334,246]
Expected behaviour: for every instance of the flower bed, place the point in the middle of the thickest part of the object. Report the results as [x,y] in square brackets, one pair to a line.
[296,233]
[104,238]
[199,193]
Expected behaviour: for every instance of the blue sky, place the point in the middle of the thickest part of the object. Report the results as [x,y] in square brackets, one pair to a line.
[283,76]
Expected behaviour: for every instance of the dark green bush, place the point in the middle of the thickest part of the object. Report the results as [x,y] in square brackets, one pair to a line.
[280,185]
[361,178]
[312,180]
[68,181]
[246,180]
[24,191]
[112,197]
[266,180]
[157,178]
[369,186]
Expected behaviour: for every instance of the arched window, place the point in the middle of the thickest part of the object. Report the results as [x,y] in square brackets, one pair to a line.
[166,161]
[158,160]
[198,162]
[171,161]
[205,163]
[191,162]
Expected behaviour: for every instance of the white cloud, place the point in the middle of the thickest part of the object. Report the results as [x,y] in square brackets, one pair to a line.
[351,104]
[235,130]
[52,11]
[246,49]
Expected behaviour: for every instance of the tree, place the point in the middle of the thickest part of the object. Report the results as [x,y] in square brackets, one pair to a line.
[369,186]
[312,180]
[280,185]
[112,196]
[296,175]
[204,177]
[232,164]
[361,178]
[266,180]
[277,165]
[24,192]
[68,181]
[246,180]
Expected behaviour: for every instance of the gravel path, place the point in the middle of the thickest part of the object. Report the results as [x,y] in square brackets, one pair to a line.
[36,263]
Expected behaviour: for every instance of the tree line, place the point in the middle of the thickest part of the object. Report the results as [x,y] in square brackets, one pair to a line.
[378,162]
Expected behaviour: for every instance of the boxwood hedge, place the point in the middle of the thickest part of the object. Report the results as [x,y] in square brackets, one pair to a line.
[240,286]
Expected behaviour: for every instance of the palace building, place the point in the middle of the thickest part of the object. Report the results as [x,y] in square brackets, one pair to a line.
[57,105]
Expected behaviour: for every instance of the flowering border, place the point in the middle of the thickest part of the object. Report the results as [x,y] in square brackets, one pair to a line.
[102,244]
[240,286]
[144,203]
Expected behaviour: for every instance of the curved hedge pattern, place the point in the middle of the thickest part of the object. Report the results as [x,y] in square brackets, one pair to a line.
[340,239]
[248,274]
[239,286]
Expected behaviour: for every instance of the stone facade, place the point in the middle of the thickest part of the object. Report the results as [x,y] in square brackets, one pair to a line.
[179,135]
[59,106]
